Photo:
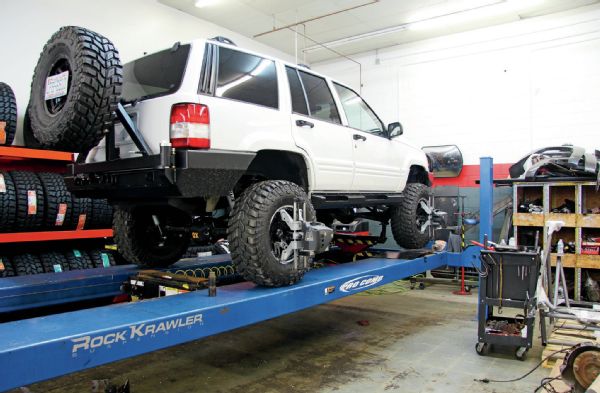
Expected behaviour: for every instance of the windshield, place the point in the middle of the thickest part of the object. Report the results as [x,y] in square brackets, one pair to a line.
[154,75]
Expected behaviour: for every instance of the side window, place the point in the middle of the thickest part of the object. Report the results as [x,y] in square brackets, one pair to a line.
[247,78]
[320,100]
[358,113]
[298,99]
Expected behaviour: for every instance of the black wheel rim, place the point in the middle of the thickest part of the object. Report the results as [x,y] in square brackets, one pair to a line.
[422,215]
[55,105]
[280,234]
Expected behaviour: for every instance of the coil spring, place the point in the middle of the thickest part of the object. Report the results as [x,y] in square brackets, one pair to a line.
[220,271]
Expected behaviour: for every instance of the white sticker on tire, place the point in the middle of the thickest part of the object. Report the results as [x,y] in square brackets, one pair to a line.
[57,85]
[60,217]
[2,132]
[31,202]
[2,184]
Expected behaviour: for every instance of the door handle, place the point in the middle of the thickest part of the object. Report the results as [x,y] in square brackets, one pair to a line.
[358,136]
[304,123]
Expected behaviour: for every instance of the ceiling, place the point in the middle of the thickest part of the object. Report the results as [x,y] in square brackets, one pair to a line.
[361,25]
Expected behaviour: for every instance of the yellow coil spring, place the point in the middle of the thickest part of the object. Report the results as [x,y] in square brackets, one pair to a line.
[202,272]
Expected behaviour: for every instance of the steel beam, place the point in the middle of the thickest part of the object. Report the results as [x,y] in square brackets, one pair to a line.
[486,197]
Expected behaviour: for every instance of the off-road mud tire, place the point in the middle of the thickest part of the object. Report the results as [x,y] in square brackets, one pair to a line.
[248,232]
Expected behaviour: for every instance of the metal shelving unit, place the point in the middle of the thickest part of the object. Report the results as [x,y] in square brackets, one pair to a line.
[552,194]
[36,160]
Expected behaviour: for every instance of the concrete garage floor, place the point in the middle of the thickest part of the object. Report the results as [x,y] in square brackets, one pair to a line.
[418,341]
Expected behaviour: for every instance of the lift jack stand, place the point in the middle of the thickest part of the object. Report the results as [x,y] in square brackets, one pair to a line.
[462,290]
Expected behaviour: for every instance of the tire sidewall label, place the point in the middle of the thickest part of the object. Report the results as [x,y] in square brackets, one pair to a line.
[57,86]
[31,202]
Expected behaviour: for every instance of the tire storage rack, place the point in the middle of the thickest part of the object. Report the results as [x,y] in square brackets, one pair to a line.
[577,204]
[36,211]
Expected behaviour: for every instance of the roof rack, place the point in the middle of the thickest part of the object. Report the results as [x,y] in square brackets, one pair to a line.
[224,40]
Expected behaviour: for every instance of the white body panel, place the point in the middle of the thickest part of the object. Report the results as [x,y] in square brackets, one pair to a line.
[329,147]
[335,162]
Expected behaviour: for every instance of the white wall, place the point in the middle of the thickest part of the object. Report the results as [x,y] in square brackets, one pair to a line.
[134,26]
[499,91]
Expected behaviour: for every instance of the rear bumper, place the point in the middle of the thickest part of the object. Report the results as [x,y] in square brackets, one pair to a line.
[182,174]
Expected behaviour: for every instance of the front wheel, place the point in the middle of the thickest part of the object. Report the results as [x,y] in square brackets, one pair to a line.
[151,236]
[410,225]
[258,237]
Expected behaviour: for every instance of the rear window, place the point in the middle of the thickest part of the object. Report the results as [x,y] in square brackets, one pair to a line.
[155,75]
[248,78]
[320,99]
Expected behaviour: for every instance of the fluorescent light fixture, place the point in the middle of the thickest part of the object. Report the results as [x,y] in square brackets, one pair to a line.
[358,37]
[204,3]
[497,8]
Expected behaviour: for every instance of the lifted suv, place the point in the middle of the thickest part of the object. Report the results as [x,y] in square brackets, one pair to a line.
[235,138]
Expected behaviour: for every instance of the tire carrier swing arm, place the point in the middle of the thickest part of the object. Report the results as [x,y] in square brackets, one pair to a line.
[132,130]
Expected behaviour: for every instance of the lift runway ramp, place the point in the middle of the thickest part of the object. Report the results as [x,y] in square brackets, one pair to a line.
[47,347]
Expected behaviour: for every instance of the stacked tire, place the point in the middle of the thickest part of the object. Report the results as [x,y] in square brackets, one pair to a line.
[55,261]
[74,93]
[8,114]
[8,202]
[32,201]
[57,199]
[6,267]
[27,264]
[30,207]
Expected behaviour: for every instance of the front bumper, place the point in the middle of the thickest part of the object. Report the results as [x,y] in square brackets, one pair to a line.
[173,174]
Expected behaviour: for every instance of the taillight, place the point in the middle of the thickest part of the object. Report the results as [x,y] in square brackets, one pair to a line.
[190,126]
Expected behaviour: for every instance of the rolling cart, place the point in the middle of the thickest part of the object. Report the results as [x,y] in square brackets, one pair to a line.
[507,280]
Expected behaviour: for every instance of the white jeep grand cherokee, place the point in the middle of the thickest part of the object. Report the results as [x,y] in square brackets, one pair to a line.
[233,137]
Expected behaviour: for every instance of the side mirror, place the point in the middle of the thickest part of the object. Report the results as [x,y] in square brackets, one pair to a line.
[444,160]
[395,129]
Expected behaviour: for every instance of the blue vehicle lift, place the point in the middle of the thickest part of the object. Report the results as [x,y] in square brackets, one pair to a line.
[47,347]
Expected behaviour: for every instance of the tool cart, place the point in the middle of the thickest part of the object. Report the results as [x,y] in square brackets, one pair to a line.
[508,279]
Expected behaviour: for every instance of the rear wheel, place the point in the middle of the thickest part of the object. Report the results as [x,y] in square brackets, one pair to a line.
[151,236]
[258,237]
[409,219]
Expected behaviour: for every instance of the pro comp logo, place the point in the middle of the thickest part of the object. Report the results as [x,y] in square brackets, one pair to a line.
[359,283]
